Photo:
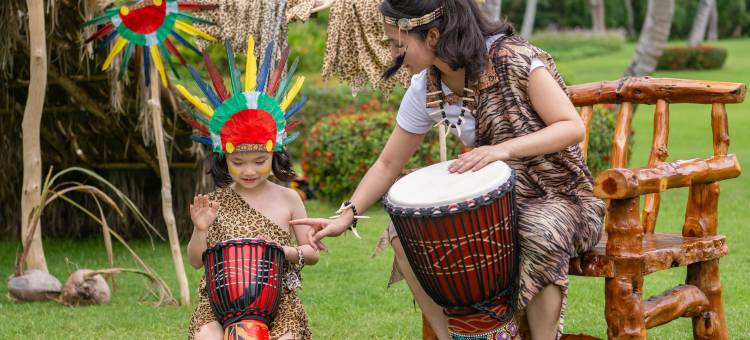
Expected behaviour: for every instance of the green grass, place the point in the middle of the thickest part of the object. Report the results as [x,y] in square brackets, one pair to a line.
[345,293]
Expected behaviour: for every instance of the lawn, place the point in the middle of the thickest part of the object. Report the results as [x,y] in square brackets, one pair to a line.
[345,294]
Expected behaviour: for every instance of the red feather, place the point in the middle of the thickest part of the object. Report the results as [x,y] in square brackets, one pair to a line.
[172,49]
[104,30]
[194,123]
[197,7]
[292,125]
[215,77]
[276,77]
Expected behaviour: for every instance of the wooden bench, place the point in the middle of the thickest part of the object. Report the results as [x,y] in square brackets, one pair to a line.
[630,249]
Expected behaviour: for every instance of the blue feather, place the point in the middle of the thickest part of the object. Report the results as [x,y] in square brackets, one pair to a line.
[106,41]
[207,91]
[263,73]
[185,42]
[201,139]
[146,66]
[295,108]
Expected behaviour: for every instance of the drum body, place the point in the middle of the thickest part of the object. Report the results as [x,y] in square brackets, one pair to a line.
[244,278]
[459,234]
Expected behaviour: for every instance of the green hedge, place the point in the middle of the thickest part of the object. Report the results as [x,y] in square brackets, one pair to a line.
[600,138]
[692,58]
[341,147]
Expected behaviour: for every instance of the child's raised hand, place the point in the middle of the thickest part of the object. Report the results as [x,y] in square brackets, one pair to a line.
[203,212]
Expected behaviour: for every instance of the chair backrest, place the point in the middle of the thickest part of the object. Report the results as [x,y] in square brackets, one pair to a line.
[700,174]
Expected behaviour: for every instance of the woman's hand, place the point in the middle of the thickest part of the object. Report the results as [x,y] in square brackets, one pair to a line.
[479,157]
[203,212]
[323,227]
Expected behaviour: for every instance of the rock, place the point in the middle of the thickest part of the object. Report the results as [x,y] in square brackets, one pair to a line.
[84,287]
[34,285]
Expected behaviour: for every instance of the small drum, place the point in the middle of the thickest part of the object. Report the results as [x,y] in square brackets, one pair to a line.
[459,234]
[244,278]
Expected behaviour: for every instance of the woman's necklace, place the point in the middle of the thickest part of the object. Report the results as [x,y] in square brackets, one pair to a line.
[452,99]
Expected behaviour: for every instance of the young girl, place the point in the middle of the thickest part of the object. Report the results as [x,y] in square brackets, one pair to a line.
[247,132]
[505,97]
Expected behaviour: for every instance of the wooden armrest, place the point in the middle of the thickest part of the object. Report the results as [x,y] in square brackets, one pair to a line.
[622,183]
[647,90]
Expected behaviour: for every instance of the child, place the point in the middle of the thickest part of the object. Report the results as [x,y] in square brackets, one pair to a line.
[248,133]
[497,92]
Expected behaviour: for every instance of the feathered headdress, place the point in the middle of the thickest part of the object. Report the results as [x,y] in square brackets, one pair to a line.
[148,25]
[253,117]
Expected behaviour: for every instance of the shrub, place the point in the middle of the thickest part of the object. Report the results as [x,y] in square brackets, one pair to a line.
[341,148]
[692,58]
[600,138]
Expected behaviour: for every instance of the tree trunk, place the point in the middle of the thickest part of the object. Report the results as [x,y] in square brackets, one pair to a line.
[713,23]
[630,23]
[653,38]
[492,8]
[154,104]
[31,125]
[528,19]
[597,16]
[700,22]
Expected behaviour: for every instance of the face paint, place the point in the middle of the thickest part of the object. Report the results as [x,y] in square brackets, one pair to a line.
[233,171]
[265,171]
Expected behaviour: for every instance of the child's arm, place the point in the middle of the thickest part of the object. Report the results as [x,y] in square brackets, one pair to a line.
[300,232]
[203,213]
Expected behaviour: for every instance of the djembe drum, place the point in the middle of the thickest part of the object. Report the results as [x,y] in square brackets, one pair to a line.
[459,234]
[243,278]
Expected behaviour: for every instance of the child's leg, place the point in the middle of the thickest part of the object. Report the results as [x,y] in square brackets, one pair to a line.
[543,313]
[210,331]
[431,310]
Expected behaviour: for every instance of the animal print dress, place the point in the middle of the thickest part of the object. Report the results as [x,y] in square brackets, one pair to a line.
[236,219]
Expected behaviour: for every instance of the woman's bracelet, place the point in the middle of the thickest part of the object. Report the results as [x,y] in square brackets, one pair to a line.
[349,205]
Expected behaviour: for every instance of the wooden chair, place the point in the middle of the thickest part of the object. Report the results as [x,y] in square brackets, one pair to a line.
[630,249]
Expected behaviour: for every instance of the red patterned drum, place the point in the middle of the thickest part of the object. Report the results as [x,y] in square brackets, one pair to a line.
[243,278]
[459,234]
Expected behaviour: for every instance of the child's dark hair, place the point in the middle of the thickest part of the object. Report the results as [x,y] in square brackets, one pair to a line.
[281,164]
[463,28]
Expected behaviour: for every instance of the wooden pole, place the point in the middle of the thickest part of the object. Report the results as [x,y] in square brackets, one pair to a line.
[31,125]
[154,104]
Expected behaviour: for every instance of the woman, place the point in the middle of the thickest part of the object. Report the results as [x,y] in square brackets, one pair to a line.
[505,97]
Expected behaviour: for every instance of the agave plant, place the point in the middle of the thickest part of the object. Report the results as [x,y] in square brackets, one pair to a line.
[54,188]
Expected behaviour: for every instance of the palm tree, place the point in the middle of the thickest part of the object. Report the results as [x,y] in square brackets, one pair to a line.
[700,22]
[528,19]
[653,38]
[597,16]
[492,8]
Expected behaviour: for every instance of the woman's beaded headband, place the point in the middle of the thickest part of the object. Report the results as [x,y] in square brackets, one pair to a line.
[407,24]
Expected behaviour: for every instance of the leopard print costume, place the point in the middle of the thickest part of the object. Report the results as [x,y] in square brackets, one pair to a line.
[236,219]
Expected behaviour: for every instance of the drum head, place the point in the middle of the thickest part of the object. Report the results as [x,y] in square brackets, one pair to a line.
[435,186]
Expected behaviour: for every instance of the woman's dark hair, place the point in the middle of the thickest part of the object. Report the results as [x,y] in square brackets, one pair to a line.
[463,29]
[281,164]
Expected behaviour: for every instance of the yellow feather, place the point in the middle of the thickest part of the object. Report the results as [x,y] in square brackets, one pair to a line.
[292,93]
[159,65]
[250,67]
[201,106]
[121,42]
[189,29]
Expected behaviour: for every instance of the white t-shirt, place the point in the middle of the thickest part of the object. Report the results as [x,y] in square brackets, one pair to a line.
[413,114]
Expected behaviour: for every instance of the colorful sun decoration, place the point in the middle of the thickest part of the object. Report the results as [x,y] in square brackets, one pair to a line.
[253,117]
[149,26]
